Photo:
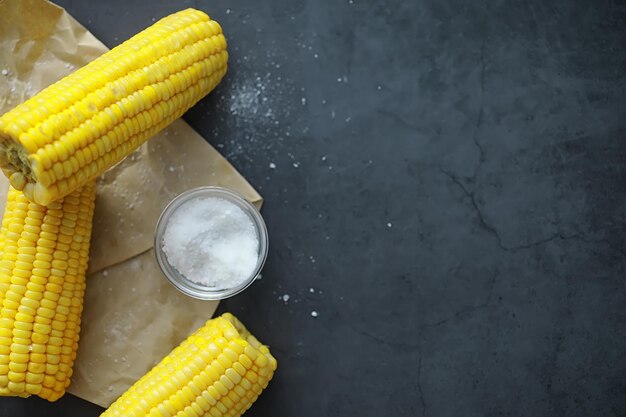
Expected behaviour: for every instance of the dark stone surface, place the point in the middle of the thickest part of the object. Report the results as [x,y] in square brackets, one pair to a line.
[450,180]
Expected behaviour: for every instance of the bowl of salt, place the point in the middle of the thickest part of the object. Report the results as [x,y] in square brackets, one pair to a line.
[211,243]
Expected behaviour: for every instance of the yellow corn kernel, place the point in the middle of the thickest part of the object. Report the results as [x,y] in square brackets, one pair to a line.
[185,384]
[72,131]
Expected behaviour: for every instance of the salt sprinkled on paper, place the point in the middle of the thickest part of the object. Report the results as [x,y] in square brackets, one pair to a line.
[212,242]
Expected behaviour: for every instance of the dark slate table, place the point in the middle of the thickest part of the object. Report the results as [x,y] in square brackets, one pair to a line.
[444,185]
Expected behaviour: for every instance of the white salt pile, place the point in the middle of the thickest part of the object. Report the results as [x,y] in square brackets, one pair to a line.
[212,242]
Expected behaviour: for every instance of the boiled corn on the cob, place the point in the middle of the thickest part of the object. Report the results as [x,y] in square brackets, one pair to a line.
[218,371]
[75,129]
[43,259]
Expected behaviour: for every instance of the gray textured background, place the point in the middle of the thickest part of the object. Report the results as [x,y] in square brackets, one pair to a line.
[449,178]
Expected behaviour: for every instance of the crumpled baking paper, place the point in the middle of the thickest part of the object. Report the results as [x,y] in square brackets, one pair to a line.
[132,316]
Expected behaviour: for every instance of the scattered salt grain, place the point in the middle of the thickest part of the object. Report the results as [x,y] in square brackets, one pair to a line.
[311,290]
[5,72]
[211,242]
[272,165]
[314,313]
[227,11]
[296,164]
[285,297]
[303,101]
[389,225]
[172,169]
[105,273]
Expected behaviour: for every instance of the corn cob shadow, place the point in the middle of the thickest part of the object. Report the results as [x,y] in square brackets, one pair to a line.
[77,128]
[218,371]
[43,259]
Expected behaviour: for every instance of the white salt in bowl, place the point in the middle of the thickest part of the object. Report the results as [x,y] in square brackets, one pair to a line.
[183,283]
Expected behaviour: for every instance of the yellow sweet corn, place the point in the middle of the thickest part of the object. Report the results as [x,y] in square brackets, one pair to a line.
[75,129]
[220,370]
[43,259]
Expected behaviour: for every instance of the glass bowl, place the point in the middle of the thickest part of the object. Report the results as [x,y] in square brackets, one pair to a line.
[191,288]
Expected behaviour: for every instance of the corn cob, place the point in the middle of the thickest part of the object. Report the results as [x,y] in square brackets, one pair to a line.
[43,259]
[75,129]
[220,370]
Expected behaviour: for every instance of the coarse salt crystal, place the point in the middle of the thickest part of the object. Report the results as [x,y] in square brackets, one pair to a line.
[285,297]
[212,242]
[314,313]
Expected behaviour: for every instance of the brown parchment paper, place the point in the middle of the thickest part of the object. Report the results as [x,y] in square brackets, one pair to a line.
[132,316]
